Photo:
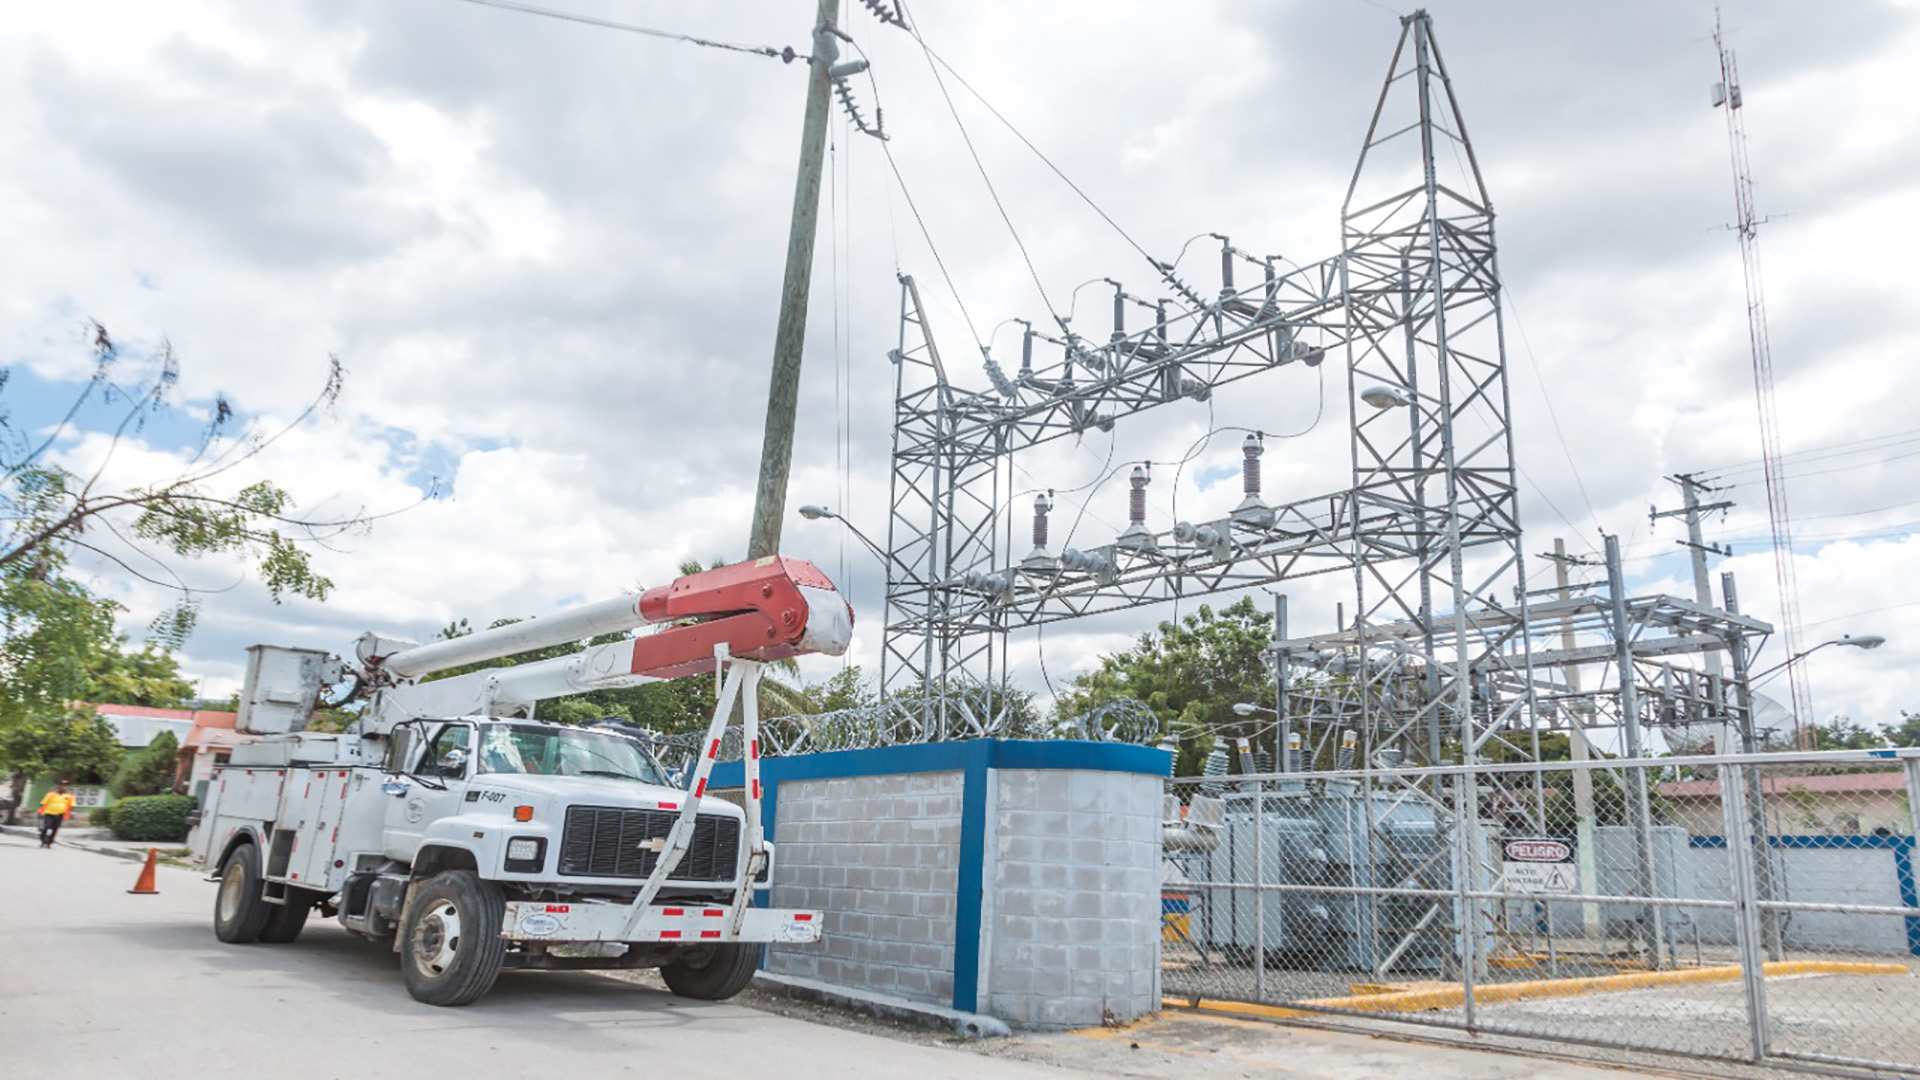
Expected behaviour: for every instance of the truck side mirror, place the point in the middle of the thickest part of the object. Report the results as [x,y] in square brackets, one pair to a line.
[400,748]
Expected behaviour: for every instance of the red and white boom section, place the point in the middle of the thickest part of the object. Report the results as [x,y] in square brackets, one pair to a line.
[768,609]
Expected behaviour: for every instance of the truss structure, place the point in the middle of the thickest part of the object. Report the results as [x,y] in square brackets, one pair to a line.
[1427,525]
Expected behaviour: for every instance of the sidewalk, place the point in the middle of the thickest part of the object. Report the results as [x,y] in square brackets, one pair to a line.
[88,838]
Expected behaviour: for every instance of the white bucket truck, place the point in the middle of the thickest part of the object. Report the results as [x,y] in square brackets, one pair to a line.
[451,822]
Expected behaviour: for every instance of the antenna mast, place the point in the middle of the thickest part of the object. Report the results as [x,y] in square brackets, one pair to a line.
[1726,95]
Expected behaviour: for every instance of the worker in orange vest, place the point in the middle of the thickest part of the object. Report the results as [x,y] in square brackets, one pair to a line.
[55,808]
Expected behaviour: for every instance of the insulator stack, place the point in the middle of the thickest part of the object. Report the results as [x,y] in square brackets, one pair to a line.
[1243,749]
[1250,465]
[1349,742]
[1041,504]
[1293,753]
[1137,498]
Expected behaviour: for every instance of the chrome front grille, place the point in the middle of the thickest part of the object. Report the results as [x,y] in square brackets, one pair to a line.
[613,842]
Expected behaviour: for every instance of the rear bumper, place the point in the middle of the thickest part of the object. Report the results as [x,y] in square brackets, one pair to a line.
[692,924]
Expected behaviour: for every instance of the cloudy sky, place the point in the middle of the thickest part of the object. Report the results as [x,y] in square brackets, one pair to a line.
[549,256]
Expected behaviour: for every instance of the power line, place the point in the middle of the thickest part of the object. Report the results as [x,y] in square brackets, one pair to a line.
[1828,451]
[988,180]
[927,235]
[786,54]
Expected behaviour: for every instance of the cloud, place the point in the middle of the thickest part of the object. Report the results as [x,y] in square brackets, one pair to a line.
[551,256]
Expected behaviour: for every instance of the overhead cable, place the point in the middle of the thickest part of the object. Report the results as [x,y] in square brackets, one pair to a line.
[786,54]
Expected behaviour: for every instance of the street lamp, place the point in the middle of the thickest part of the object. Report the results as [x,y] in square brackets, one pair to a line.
[1863,641]
[1387,397]
[815,513]
[1248,709]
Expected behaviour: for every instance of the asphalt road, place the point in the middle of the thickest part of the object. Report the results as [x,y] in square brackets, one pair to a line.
[98,983]
[95,982]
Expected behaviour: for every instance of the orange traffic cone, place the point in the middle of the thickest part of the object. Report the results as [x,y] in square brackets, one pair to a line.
[144,887]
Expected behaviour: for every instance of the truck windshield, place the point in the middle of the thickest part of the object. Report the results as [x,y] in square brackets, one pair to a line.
[560,751]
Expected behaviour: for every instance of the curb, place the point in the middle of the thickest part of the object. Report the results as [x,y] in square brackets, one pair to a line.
[883,1006]
[79,845]
[1453,996]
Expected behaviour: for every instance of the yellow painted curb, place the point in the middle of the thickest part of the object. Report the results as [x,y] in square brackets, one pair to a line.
[1427,998]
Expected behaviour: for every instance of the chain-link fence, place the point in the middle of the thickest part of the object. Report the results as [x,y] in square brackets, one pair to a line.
[1746,908]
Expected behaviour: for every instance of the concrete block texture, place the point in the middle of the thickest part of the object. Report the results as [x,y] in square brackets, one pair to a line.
[877,856]
[1071,915]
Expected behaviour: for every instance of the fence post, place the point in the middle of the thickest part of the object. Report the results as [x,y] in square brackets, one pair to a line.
[1912,766]
[1259,890]
[1746,914]
[1466,816]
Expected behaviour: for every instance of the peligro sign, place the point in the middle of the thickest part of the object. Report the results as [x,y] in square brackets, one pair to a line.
[1538,850]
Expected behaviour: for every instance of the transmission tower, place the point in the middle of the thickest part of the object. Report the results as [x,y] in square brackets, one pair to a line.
[1726,95]
[1435,659]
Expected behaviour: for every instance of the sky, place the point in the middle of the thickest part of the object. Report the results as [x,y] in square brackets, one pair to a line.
[549,256]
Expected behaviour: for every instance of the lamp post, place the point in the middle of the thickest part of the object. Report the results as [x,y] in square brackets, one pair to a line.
[1862,641]
[815,513]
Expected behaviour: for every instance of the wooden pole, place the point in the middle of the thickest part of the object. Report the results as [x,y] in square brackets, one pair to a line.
[776,446]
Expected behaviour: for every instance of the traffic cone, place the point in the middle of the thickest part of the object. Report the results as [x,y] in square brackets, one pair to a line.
[144,887]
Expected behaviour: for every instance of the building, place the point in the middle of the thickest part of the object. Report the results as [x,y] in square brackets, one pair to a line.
[1834,804]
[206,738]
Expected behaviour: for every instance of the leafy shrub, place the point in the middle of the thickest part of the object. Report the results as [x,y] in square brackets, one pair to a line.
[100,817]
[152,817]
[149,772]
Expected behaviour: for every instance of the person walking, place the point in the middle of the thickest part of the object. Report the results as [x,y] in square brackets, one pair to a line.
[54,809]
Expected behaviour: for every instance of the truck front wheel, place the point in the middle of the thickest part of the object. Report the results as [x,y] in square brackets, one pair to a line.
[239,913]
[713,972]
[451,944]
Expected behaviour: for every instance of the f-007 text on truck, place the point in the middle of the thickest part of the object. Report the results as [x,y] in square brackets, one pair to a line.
[474,837]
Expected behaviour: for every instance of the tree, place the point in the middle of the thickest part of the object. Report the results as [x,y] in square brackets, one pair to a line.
[149,772]
[74,743]
[1906,732]
[150,677]
[1191,674]
[1841,733]
[49,512]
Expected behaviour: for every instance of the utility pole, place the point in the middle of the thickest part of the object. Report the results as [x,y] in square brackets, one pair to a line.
[1584,820]
[1693,510]
[1639,811]
[783,394]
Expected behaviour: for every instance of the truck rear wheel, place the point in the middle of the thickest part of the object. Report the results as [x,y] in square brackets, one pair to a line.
[713,972]
[239,913]
[451,948]
[285,920]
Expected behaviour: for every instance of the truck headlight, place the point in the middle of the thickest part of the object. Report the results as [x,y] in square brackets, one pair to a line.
[526,854]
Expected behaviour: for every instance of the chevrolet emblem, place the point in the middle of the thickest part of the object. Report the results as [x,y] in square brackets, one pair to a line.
[656,845]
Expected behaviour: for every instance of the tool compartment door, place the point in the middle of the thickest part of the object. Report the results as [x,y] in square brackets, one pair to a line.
[318,836]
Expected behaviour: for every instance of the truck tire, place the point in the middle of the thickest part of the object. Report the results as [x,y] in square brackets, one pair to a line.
[713,972]
[450,946]
[285,920]
[239,913]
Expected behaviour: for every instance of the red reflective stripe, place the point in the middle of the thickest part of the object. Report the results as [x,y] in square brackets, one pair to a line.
[673,911]
[714,912]
[669,933]
[754,748]
[805,916]
[700,788]
[714,750]
[709,933]
[669,806]
[756,787]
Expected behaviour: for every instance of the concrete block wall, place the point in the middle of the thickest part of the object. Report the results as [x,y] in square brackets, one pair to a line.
[1012,878]
[1072,917]
[879,857]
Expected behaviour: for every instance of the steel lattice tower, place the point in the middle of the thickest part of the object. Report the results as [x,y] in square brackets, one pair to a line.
[1428,525]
